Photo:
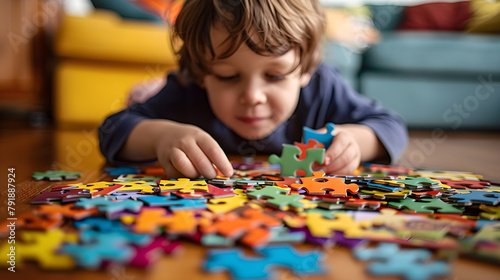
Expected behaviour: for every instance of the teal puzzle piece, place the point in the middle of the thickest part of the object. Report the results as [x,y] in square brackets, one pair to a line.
[325,138]
[412,264]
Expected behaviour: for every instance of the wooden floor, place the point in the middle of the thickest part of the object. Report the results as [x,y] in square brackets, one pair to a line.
[29,150]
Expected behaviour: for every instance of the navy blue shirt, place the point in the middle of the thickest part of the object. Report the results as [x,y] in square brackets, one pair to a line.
[325,99]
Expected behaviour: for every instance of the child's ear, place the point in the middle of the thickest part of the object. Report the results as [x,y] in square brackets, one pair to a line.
[304,79]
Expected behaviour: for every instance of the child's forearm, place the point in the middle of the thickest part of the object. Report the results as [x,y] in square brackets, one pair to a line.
[370,146]
[143,139]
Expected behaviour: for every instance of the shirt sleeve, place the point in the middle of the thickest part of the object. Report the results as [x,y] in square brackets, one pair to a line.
[337,102]
[115,130]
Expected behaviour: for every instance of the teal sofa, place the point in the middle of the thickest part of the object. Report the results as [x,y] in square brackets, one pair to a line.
[449,80]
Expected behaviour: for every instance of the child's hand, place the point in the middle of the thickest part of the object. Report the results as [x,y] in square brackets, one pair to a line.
[344,154]
[188,151]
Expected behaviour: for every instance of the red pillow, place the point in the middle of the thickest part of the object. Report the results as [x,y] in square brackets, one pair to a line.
[436,16]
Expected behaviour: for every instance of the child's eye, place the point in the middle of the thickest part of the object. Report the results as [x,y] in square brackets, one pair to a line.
[226,78]
[275,77]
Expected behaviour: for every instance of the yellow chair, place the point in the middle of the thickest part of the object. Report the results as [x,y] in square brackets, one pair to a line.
[100,57]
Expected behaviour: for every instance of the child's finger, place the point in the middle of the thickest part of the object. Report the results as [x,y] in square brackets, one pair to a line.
[201,162]
[217,157]
[170,170]
[346,157]
[339,144]
[183,164]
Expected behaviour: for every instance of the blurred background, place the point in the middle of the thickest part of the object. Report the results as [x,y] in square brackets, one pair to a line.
[70,63]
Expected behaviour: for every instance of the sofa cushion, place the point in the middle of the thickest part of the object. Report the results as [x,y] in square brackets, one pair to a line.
[435,52]
[104,36]
[485,17]
[430,101]
[436,16]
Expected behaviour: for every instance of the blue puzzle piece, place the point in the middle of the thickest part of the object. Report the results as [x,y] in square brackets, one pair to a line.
[122,170]
[412,264]
[174,203]
[245,267]
[491,198]
[100,223]
[104,204]
[325,138]
[97,247]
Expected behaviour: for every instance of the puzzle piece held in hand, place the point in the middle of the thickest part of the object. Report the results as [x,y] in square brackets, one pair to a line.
[325,138]
[243,267]
[56,175]
[412,264]
[290,163]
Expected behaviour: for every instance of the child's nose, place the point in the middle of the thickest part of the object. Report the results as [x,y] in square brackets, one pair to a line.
[253,93]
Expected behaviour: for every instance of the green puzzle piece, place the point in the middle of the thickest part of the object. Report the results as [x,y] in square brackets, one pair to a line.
[56,175]
[427,205]
[290,163]
[277,197]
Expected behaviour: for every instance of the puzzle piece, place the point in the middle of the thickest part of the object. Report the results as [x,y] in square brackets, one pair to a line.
[103,204]
[462,184]
[138,186]
[182,185]
[252,227]
[100,224]
[414,183]
[175,204]
[151,220]
[56,175]
[97,189]
[41,246]
[324,138]
[321,227]
[97,247]
[145,256]
[318,184]
[63,196]
[490,212]
[311,144]
[150,179]
[121,170]
[490,198]
[412,264]
[290,164]
[66,211]
[226,204]
[243,267]
[278,198]
[427,205]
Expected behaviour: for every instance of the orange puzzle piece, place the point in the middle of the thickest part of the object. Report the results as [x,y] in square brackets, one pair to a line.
[318,184]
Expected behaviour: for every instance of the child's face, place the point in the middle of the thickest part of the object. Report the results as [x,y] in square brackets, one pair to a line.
[250,93]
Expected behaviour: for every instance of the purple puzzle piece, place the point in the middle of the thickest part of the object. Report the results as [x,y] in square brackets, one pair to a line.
[147,255]
[337,238]
[63,196]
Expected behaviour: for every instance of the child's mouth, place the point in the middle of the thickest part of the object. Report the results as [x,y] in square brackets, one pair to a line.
[250,120]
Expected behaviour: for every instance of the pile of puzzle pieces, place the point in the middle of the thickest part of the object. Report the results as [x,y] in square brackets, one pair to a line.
[395,219]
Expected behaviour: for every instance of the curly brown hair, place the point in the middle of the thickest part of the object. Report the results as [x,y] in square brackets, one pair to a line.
[267,27]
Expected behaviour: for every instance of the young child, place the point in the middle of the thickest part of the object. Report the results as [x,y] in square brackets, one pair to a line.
[249,80]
